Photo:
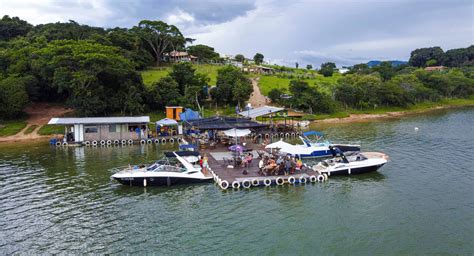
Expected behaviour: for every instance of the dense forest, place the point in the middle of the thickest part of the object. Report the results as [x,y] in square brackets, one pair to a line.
[95,71]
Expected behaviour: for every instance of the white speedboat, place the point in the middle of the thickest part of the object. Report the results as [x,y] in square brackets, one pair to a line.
[352,163]
[311,148]
[162,173]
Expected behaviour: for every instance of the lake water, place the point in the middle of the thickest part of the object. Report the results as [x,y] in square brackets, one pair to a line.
[422,202]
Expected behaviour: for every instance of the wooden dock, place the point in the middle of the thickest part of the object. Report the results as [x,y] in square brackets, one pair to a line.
[227,177]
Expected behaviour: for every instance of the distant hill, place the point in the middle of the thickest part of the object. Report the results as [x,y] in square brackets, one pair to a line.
[395,63]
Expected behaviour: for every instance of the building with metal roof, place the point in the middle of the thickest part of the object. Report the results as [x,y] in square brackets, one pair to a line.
[224,123]
[260,111]
[103,129]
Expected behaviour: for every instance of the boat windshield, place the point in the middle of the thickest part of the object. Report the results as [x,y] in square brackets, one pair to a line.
[168,168]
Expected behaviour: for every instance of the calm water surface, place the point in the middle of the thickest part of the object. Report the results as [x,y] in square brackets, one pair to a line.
[422,202]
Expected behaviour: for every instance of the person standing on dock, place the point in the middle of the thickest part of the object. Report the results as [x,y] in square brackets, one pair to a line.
[287,166]
[205,164]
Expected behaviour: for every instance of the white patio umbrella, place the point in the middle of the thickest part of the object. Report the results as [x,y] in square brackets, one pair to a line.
[237,132]
[281,145]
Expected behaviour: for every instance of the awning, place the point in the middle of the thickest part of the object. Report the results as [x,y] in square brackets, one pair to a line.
[261,111]
[237,132]
[225,123]
[166,122]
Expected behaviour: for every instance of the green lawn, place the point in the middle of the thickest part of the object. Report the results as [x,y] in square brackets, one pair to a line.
[267,82]
[155,74]
[31,128]
[51,129]
[11,127]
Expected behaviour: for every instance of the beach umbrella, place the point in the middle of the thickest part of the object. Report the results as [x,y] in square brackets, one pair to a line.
[237,148]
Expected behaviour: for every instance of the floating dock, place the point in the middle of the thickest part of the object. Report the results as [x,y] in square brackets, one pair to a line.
[227,177]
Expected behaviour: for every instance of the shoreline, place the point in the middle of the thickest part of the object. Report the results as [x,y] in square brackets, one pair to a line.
[355,118]
[352,118]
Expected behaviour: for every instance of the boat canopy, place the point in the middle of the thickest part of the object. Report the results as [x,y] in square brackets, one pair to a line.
[312,133]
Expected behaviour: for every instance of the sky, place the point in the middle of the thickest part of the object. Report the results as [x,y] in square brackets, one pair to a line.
[346,32]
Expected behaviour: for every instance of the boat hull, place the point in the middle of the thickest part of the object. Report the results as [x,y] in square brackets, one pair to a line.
[159,181]
[356,170]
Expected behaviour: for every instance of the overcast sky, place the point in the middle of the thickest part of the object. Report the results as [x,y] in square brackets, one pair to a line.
[309,32]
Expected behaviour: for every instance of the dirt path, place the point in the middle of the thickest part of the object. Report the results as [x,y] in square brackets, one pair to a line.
[38,114]
[257,99]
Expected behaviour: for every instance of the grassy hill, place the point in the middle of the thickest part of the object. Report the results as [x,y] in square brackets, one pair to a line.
[267,82]
[154,74]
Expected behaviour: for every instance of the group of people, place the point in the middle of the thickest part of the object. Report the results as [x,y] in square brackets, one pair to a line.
[279,165]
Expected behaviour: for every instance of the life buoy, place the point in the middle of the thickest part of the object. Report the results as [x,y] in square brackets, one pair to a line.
[287,135]
[291,180]
[179,140]
[298,134]
[88,143]
[259,135]
[149,141]
[224,184]
[292,134]
[64,143]
[325,176]
[303,180]
[282,135]
[320,178]
[255,182]
[116,142]
[279,181]
[58,143]
[94,143]
[235,184]
[142,141]
[312,178]
[267,182]
[157,141]
[109,142]
[267,135]
[246,184]
[130,141]
[102,142]
[163,141]
[124,142]
[171,140]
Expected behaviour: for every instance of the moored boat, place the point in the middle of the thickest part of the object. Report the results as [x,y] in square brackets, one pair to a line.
[162,173]
[352,163]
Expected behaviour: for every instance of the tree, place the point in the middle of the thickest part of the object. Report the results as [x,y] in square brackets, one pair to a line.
[419,57]
[239,57]
[232,86]
[309,67]
[65,31]
[385,69]
[203,52]
[275,94]
[13,97]
[183,74]
[92,78]
[459,57]
[13,27]
[159,37]
[258,58]
[327,69]
[361,69]
[165,93]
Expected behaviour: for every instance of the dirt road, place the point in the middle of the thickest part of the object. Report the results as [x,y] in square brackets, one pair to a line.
[38,114]
[257,99]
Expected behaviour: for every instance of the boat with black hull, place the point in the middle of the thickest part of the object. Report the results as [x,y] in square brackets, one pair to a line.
[351,163]
[163,173]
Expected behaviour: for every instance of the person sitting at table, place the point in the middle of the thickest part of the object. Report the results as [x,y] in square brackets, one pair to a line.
[299,164]
[271,165]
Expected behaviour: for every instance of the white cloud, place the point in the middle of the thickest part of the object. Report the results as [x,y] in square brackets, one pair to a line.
[180,18]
